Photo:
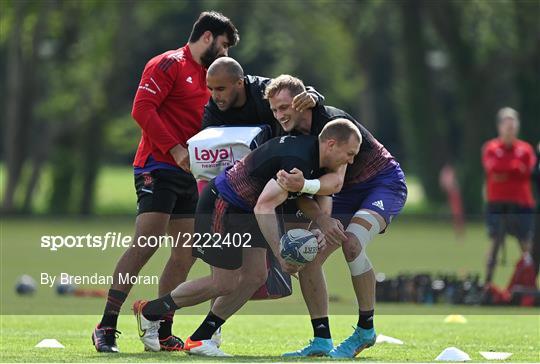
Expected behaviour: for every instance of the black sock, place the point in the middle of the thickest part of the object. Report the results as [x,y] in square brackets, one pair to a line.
[365,319]
[115,300]
[210,324]
[165,327]
[154,310]
[321,328]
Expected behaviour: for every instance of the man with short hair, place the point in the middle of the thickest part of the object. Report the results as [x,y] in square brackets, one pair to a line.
[508,164]
[373,193]
[168,107]
[242,200]
[237,99]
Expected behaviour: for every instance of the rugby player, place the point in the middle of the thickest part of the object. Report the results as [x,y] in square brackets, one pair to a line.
[168,107]
[238,99]
[373,193]
[227,206]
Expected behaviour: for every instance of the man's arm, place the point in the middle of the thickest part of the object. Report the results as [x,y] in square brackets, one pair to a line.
[319,211]
[307,99]
[495,165]
[265,211]
[319,98]
[531,158]
[330,183]
[154,87]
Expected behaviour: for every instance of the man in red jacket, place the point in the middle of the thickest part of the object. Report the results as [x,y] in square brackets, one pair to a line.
[508,163]
[168,106]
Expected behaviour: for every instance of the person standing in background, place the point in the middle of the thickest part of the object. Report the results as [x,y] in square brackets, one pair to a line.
[508,164]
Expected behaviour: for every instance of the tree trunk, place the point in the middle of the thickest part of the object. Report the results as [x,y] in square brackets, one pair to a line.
[15,79]
[473,93]
[527,63]
[39,156]
[93,138]
[421,124]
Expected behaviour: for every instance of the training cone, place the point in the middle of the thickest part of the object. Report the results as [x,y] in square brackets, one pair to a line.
[455,319]
[49,343]
[453,354]
[388,340]
[493,355]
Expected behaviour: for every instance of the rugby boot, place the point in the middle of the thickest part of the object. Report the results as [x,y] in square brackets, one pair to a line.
[104,339]
[148,330]
[203,348]
[316,347]
[354,344]
[172,343]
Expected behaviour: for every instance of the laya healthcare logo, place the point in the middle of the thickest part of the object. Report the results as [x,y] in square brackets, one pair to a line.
[214,156]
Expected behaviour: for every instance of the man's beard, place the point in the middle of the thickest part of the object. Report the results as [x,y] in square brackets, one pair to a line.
[210,55]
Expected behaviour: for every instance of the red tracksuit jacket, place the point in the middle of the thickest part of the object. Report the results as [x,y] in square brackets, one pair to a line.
[169,104]
[508,171]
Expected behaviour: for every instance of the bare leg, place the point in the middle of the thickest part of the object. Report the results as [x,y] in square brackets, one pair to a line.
[135,257]
[253,275]
[364,284]
[180,262]
[492,258]
[221,283]
[313,284]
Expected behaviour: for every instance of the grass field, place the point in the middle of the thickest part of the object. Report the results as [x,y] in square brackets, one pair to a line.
[262,330]
[115,193]
[264,338]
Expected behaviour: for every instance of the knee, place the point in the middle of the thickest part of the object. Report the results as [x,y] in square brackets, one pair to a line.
[351,247]
[224,287]
[255,277]
[140,253]
[182,259]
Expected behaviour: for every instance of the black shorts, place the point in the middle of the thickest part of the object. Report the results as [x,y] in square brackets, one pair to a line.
[510,218]
[232,230]
[163,190]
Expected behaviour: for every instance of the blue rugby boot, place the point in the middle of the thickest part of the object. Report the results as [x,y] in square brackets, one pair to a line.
[316,347]
[354,344]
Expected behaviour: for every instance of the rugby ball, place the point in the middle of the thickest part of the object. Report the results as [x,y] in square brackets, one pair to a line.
[299,246]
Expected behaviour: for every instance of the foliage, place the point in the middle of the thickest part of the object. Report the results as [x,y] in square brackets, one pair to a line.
[427,77]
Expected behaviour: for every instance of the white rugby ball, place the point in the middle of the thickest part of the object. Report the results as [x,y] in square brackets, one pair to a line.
[299,246]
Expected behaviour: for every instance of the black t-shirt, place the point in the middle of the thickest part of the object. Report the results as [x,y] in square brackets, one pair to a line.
[372,157]
[255,111]
[242,183]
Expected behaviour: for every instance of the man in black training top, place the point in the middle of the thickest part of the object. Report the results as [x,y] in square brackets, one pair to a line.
[226,206]
[238,99]
[373,194]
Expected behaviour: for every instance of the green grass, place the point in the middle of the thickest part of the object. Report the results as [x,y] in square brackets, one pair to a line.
[262,330]
[115,193]
[265,338]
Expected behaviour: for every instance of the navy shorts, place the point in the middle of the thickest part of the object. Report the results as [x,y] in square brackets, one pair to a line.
[385,194]
[510,218]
